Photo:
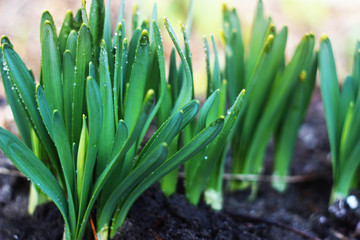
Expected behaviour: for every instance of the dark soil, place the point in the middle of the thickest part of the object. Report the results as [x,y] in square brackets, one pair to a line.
[300,213]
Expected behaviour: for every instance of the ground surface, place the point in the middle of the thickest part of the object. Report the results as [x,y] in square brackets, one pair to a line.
[300,213]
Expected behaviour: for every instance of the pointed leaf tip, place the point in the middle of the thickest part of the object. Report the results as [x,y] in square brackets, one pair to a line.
[324,38]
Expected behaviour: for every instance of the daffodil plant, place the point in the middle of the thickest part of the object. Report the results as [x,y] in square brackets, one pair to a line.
[83,124]
[277,92]
[342,114]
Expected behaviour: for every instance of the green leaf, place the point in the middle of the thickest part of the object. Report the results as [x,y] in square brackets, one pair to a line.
[25,87]
[108,127]
[14,101]
[132,51]
[44,109]
[51,68]
[210,160]
[198,143]
[185,94]
[95,110]
[331,97]
[83,57]
[81,157]
[281,88]
[205,109]
[257,39]
[96,24]
[71,43]
[119,73]
[65,31]
[137,82]
[68,84]
[107,37]
[63,147]
[104,180]
[35,170]
[152,161]
[46,16]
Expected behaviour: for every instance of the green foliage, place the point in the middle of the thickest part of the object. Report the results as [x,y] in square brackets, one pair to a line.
[83,125]
[277,93]
[342,112]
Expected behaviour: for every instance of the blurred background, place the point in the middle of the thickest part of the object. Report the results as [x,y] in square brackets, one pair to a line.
[339,19]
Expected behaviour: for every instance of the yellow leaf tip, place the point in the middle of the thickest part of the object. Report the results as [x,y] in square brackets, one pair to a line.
[324,37]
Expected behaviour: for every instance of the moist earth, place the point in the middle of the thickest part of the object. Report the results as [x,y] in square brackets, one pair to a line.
[301,212]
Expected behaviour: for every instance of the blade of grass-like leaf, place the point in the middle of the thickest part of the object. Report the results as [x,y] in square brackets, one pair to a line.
[210,87]
[44,109]
[96,24]
[198,143]
[285,141]
[121,13]
[347,95]
[126,163]
[191,166]
[153,18]
[51,68]
[14,101]
[356,68]
[291,123]
[346,136]
[186,91]
[116,163]
[210,162]
[35,170]
[216,72]
[281,88]
[235,54]
[81,157]
[257,40]
[46,16]
[107,37]
[205,109]
[152,161]
[63,146]
[84,16]
[72,42]
[348,172]
[217,150]
[173,77]
[25,87]
[135,18]
[166,132]
[68,84]
[160,64]
[118,81]
[95,110]
[83,57]
[187,51]
[259,84]
[119,139]
[132,51]
[137,82]
[65,31]
[108,127]
[270,60]
[331,98]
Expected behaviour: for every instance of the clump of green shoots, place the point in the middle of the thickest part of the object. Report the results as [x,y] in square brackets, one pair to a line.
[342,114]
[277,93]
[83,124]
[205,170]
